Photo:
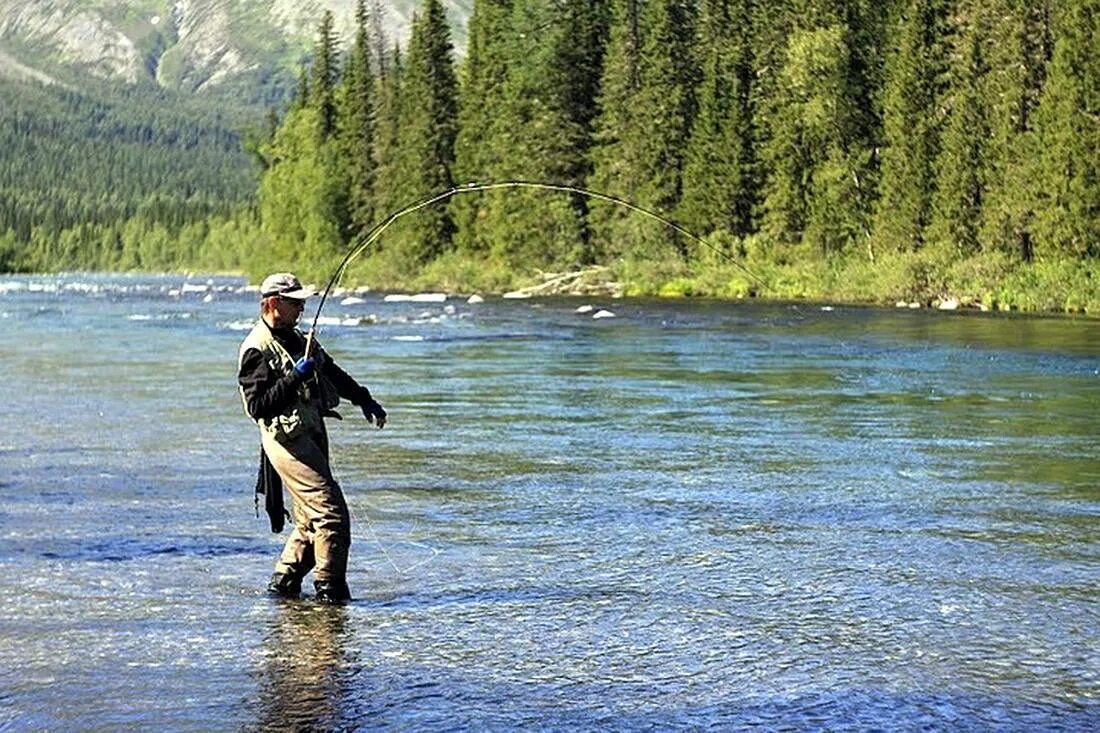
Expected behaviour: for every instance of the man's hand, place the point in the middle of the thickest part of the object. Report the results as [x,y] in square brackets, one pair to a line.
[304,367]
[375,414]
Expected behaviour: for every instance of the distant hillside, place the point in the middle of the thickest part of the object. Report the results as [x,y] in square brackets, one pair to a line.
[125,122]
[89,160]
[244,48]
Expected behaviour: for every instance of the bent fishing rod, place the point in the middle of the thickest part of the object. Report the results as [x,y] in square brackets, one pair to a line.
[372,235]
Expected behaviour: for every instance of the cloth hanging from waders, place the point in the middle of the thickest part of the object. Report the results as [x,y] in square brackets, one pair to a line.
[270,486]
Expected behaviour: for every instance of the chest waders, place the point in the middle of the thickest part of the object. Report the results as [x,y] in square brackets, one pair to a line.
[296,444]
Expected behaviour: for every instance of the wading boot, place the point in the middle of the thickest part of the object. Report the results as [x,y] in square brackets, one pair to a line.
[332,591]
[285,586]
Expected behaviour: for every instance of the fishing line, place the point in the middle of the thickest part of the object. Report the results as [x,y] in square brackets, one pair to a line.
[385,553]
[377,230]
[372,236]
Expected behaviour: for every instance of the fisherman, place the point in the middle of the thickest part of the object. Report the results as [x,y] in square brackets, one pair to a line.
[289,393]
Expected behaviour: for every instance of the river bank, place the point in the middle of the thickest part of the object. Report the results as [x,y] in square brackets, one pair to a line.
[992,282]
[988,282]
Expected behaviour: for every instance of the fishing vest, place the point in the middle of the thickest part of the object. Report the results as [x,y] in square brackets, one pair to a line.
[316,395]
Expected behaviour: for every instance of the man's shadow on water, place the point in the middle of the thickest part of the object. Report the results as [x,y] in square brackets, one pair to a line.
[305,669]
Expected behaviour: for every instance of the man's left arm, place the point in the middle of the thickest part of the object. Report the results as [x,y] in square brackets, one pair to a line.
[353,392]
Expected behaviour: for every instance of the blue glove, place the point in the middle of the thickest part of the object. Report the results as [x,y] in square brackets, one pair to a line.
[304,367]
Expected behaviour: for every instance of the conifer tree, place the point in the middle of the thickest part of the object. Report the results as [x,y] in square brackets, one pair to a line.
[616,170]
[380,45]
[579,59]
[813,150]
[640,150]
[356,126]
[544,118]
[301,94]
[325,71]
[1019,48]
[720,167]
[961,165]
[303,194]
[481,104]
[428,121]
[1067,181]
[388,191]
[912,124]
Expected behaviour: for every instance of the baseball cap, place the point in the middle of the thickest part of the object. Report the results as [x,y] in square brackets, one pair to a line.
[285,285]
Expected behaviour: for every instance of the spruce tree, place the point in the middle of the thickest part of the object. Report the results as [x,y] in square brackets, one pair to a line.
[579,59]
[616,170]
[389,191]
[1019,48]
[544,119]
[303,196]
[640,148]
[380,45]
[301,94]
[428,121]
[961,164]
[356,126]
[481,104]
[1067,180]
[720,167]
[814,151]
[325,71]
[912,124]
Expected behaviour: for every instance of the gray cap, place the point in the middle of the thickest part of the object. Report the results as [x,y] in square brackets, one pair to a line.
[285,285]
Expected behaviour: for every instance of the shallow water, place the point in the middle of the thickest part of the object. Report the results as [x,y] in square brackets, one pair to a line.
[692,515]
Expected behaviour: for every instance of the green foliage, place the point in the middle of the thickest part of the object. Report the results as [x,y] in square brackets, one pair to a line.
[644,125]
[962,161]
[813,154]
[529,228]
[325,69]
[912,120]
[962,164]
[1067,180]
[720,168]
[300,200]
[1018,47]
[356,127]
[616,170]
[388,194]
[428,116]
[80,162]
[481,105]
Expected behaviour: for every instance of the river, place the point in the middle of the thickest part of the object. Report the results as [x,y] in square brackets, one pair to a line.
[688,515]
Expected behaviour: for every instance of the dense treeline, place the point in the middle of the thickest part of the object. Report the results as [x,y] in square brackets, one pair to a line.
[912,149]
[108,178]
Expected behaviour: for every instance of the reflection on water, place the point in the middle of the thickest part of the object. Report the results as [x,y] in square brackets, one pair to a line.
[304,669]
[693,515]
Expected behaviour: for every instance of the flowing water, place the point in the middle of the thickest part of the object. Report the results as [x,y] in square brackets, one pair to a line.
[691,515]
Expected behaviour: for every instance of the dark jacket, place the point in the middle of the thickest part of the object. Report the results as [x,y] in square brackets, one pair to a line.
[268,393]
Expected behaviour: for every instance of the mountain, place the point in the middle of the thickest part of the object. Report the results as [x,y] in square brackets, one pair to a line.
[249,48]
[121,117]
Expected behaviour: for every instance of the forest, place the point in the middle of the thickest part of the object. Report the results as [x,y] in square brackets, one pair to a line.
[918,151]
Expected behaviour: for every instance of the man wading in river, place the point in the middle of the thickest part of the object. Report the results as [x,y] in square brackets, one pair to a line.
[289,393]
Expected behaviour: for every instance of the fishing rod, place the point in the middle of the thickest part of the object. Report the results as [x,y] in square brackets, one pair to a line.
[376,231]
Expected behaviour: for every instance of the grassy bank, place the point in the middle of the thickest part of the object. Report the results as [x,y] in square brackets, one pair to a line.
[987,282]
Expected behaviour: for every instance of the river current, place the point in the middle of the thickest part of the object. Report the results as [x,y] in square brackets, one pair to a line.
[679,515]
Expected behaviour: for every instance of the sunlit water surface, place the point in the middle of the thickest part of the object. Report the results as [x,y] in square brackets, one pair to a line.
[690,515]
